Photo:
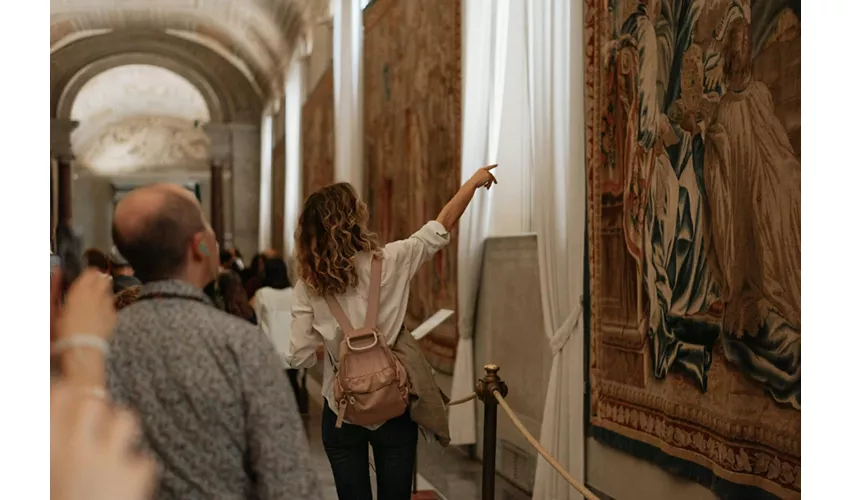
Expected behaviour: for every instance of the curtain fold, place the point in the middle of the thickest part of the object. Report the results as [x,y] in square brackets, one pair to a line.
[484,53]
[348,92]
[556,100]
[292,171]
[266,147]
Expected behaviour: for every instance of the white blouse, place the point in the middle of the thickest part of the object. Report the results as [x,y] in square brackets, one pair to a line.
[313,323]
[274,316]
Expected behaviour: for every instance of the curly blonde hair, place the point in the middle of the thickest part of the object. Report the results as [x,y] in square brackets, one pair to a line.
[331,232]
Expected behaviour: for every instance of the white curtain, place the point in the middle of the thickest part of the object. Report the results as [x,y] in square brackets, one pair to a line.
[292,198]
[511,210]
[348,92]
[484,49]
[556,94]
[266,147]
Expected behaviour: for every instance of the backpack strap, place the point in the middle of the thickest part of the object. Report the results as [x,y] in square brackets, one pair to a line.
[371,308]
[374,294]
[338,315]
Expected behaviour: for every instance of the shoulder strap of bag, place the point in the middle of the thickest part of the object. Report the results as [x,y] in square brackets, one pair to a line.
[374,294]
[338,315]
[371,308]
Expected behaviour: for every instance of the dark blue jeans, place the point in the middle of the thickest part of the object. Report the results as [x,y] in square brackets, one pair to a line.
[394,450]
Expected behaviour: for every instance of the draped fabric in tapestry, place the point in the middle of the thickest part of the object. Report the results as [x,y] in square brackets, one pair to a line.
[412,72]
[693,147]
[317,136]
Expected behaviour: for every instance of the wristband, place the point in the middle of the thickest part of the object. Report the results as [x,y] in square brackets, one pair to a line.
[94,392]
[80,341]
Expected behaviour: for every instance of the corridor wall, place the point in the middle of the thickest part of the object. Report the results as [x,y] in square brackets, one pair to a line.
[314,67]
[317,136]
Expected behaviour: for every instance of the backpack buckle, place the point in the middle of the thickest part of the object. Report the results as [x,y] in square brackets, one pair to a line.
[372,334]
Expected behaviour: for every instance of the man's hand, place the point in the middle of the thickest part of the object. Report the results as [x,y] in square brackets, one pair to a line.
[89,307]
[92,450]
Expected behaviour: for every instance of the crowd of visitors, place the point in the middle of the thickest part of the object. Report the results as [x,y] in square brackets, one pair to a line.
[177,367]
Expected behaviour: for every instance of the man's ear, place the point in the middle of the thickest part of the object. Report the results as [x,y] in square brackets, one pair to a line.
[200,249]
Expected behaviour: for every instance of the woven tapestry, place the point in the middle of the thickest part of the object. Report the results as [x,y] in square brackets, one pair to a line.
[693,145]
[278,192]
[412,109]
[317,136]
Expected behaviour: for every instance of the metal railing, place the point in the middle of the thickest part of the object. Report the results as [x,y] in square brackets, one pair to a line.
[492,391]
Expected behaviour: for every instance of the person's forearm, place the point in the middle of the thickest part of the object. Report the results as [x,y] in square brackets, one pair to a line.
[451,213]
[83,366]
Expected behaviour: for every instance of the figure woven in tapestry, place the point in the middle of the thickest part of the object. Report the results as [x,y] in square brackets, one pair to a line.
[694,227]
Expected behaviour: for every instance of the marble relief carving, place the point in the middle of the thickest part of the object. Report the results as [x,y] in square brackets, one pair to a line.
[146,144]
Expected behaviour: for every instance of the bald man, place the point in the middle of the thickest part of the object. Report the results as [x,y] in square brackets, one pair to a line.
[216,408]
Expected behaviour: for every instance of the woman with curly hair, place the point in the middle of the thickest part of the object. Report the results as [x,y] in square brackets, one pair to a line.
[334,251]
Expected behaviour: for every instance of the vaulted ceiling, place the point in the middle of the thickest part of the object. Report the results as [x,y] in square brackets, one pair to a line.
[258,36]
[142,76]
[238,49]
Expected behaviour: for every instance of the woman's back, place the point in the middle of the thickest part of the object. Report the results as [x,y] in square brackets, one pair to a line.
[401,260]
[335,251]
[274,315]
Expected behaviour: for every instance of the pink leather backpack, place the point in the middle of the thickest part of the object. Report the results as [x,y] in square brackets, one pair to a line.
[370,384]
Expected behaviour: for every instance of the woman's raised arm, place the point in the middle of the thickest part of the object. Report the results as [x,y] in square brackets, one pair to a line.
[451,213]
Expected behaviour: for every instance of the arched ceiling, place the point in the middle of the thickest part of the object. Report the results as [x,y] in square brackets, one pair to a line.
[138,89]
[140,118]
[229,94]
[138,74]
[256,36]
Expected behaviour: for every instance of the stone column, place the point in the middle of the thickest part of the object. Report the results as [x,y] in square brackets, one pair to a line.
[60,150]
[236,147]
[64,177]
[221,154]
[246,187]
[216,200]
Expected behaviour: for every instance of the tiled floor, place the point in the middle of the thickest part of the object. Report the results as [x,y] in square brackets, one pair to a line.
[448,471]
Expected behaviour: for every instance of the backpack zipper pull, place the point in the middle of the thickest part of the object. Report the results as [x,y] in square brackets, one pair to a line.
[342,406]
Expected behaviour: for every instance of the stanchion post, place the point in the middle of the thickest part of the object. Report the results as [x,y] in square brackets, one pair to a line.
[484,390]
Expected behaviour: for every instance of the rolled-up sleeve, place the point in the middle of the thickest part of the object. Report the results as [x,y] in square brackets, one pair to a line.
[304,339]
[422,245]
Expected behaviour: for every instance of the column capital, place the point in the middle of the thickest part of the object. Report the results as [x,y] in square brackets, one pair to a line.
[60,138]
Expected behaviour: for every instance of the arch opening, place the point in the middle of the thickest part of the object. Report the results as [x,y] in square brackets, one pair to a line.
[140,118]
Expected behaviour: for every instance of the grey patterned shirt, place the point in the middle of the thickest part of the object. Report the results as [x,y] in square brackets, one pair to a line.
[216,407]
